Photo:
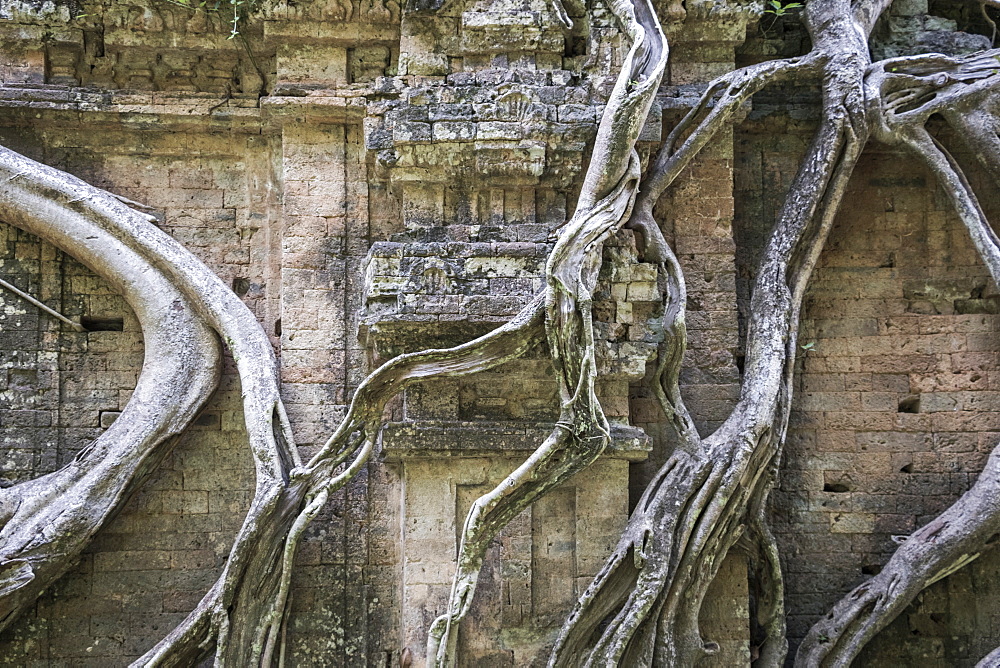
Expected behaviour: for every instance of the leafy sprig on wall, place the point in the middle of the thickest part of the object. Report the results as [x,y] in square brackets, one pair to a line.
[777,8]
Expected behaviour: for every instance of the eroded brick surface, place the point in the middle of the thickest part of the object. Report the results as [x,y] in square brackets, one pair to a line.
[370,183]
[894,401]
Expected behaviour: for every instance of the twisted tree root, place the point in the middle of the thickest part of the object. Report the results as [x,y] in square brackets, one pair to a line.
[47,522]
[903,94]
[242,611]
[642,608]
[310,486]
[582,432]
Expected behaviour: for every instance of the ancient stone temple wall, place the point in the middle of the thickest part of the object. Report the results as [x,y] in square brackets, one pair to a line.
[896,407]
[374,179]
[896,394]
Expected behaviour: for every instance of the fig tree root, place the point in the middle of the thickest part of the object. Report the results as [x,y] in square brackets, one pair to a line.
[642,608]
[46,523]
[903,94]
[582,432]
[710,495]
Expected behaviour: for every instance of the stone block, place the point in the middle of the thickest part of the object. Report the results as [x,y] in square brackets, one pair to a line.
[453,131]
[499,130]
[411,132]
[852,523]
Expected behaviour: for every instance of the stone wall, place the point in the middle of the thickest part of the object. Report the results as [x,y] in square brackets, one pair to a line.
[358,215]
[372,181]
[896,409]
[895,392]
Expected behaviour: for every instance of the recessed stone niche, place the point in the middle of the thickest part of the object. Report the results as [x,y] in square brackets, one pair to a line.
[458,438]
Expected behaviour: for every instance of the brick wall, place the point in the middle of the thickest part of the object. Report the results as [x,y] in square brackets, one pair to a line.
[341,205]
[895,394]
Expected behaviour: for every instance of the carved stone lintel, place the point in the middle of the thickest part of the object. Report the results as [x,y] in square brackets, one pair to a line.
[438,438]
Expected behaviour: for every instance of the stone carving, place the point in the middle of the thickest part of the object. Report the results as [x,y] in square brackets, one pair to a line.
[415,178]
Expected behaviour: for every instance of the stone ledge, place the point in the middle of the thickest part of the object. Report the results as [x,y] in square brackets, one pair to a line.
[340,106]
[130,108]
[437,439]
[141,109]
[143,106]
[328,33]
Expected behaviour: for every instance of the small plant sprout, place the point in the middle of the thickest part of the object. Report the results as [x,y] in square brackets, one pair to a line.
[776,8]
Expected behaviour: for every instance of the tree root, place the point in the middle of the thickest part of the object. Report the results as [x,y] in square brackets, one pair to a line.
[952,540]
[577,440]
[582,432]
[267,550]
[769,644]
[642,608]
[903,94]
[47,522]
[728,92]
[243,611]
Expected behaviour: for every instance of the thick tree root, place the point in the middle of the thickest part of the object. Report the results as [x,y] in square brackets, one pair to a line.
[241,613]
[903,94]
[577,440]
[47,522]
[769,644]
[582,432]
[268,549]
[175,298]
[642,608]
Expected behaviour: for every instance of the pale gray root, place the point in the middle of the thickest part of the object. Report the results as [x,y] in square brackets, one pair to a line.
[232,615]
[125,247]
[579,437]
[47,522]
[642,608]
[722,98]
[623,575]
[769,639]
[949,542]
[221,620]
[582,432]
[364,418]
[903,94]
[282,527]
[747,446]
[991,660]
